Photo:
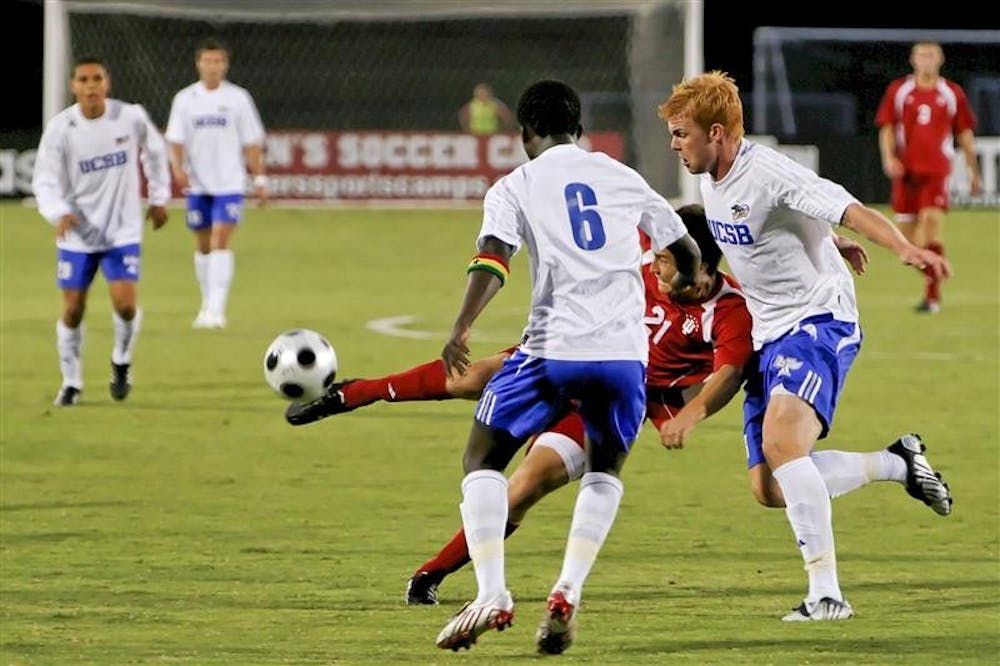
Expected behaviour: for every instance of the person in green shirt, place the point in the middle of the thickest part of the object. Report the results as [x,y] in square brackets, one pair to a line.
[484,113]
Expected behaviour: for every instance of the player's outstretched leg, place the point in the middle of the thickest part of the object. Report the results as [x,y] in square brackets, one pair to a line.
[330,403]
[121,380]
[473,620]
[558,627]
[922,482]
[823,610]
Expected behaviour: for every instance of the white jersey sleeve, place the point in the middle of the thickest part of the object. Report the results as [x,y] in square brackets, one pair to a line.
[250,125]
[502,217]
[155,159]
[660,221]
[50,181]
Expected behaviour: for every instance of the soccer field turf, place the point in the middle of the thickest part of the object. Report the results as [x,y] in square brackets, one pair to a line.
[191,525]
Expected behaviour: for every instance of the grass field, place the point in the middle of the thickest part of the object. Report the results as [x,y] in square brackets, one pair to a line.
[191,525]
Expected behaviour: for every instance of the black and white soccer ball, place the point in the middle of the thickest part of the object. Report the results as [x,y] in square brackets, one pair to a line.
[300,364]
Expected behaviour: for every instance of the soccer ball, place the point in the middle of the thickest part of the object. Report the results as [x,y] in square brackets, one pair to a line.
[300,364]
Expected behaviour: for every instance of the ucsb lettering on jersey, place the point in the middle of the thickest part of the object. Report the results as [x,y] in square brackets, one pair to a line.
[727,232]
[210,121]
[104,162]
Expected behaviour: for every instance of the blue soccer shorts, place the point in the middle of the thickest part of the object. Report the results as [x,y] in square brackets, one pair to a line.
[76,270]
[204,210]
[529,392]
[810,361]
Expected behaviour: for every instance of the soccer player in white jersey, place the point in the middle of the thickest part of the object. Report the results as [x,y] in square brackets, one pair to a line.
[773,220]
[577,213]
[88,186]
[215,135]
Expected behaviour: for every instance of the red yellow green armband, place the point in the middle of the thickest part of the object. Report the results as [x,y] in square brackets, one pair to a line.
[491,264]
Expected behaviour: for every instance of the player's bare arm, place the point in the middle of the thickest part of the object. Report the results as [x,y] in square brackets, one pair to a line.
[485,280]
[966,143]
[891,164]
[177,171]
[719,389]
[877,228]
[254,154]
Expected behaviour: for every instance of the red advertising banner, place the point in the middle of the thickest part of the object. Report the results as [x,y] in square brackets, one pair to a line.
[399,165]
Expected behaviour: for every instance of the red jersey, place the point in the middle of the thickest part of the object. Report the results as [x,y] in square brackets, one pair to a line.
[926,122]
[689,341]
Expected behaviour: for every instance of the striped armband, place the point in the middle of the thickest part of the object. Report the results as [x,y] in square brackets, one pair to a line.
[491,264]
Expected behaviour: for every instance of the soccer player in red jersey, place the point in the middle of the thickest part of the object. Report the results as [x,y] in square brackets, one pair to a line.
[700,354]
[920,118]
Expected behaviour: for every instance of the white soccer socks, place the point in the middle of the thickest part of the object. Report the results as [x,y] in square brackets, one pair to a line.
[595,511]
[484,517]
[126,333]
[69,342]
[807,505]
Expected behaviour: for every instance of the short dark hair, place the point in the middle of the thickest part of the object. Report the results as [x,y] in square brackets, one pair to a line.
[211,44]
[693,216]
[549,107]
[89,60]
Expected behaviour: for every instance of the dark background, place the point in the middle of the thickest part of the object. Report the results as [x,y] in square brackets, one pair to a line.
[729,28]
[835,90]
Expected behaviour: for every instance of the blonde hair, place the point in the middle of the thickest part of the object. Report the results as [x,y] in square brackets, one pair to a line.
[707,99]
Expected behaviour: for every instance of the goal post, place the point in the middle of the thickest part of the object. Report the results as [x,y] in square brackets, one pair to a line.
[394,65]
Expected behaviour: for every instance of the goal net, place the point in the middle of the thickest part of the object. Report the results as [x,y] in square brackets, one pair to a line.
[392,65]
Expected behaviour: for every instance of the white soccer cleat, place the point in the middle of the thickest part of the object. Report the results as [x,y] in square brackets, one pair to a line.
[922,482]
[558,628]
[468,624]
[825,609]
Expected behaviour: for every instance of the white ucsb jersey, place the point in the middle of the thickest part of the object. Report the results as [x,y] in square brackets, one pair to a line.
[214,126]
[90,168]
[579,214]
[773,220]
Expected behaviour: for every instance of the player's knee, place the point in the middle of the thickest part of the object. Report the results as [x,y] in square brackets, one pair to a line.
[73,314]
[126,311]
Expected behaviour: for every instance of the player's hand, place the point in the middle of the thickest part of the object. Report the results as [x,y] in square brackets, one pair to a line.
[975,184]
[921,259]
[456,353]
[853,251]
[893,168]
[66,222]
[158,215]
[675,431]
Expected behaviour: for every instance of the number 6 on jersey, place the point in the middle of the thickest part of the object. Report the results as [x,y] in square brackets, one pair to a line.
[588,228]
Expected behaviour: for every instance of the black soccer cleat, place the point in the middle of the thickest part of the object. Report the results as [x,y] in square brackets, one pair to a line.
[328,404]
[421,589]
[922,482]
[67,396]
[121,380]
